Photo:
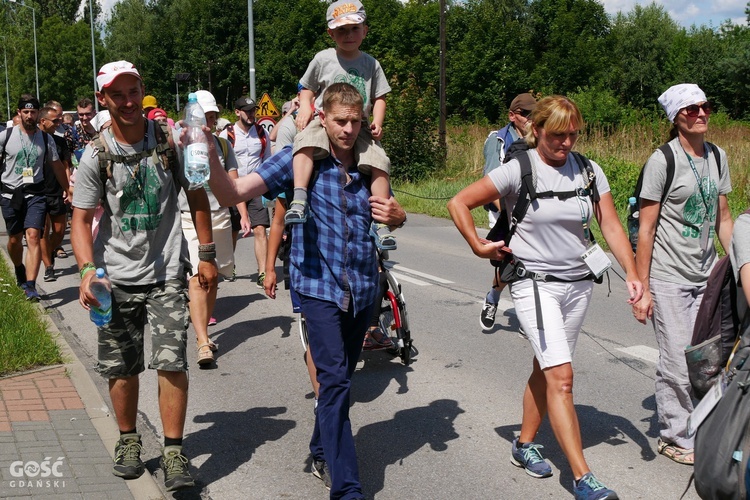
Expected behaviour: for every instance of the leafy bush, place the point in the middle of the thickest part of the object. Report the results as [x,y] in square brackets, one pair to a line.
[411,137]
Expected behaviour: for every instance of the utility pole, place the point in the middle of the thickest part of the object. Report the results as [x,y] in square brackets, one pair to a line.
[251,46]
[442,131]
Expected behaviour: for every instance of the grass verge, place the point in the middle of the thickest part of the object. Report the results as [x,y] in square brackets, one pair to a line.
[25,340]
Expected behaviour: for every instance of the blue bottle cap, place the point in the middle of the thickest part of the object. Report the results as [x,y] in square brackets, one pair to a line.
[100,273]
[192,97]
[632,200]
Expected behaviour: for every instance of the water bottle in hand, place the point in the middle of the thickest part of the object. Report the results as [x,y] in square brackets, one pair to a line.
[634,222]
[101,288]
[197,169]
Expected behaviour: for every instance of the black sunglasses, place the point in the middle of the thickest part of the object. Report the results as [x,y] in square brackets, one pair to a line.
[694,110]
[523,112]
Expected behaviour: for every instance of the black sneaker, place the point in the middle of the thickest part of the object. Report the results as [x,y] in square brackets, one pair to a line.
[261,280]
[487,317]
[176,468]
[320,470]
[49,274]
[128,463]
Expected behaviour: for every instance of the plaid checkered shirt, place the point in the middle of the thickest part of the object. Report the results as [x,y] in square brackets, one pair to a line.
[333,255]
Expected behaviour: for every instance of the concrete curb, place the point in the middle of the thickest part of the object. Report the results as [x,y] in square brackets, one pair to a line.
[97,409]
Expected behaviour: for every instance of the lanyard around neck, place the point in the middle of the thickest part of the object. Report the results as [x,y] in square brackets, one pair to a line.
[698,177]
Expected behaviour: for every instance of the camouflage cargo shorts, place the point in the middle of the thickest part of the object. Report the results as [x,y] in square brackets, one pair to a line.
[121,344]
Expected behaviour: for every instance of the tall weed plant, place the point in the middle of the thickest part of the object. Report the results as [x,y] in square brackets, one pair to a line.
[410,136]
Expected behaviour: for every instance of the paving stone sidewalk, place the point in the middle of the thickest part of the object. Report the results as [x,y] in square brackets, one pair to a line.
[49,448]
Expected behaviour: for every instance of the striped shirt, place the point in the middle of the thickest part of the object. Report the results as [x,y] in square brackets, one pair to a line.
[333,256]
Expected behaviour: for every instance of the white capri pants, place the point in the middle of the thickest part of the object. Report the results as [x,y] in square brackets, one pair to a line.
[564,308]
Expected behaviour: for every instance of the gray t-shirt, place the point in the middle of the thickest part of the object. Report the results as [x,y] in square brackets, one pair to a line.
[286,133]
[229,164]
[550,238]
[363,72]
[22,151]
[677,256]
[739,252]
[140,235]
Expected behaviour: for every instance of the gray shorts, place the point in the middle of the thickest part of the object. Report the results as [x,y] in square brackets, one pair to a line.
[164,306]
[258,213]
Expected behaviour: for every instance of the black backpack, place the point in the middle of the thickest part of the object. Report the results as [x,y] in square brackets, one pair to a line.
[634,210]
[722,442]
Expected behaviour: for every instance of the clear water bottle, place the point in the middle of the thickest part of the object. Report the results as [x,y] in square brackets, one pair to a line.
[197,169]
[102,290]
[633,221]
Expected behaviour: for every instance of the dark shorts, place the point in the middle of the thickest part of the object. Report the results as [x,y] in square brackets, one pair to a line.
[164,306]
[56,206]
[31,214]
[234,217]
[258,213]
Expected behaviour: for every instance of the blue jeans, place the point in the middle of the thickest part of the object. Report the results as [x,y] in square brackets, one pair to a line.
[335,339]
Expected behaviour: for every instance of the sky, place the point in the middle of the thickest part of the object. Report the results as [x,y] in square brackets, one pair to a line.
[685,12]
[689,12]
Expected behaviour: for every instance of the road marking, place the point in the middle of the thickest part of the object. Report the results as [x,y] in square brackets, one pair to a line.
[423,275]
[643,352]
[403,277]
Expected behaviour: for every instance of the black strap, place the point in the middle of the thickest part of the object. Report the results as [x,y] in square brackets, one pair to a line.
[8,131]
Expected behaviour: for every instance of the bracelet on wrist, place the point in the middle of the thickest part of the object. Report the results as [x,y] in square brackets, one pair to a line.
[206,256]
[86,267]
[208,247]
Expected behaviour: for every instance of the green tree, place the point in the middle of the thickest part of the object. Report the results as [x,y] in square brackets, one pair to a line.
[642,43]
[489,57]
[65,71]
[569,41]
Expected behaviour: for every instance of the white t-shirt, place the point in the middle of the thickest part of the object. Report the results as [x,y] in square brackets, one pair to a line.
[550,238]
[248,148]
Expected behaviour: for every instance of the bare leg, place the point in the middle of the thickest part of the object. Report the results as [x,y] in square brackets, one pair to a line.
[302,165]
[261,246]
[173,396]
[563,418]
[33,253]
[124,395]
[15,248]
[534,404]
[381,185]
[201,306]
[312,372]
[54,231]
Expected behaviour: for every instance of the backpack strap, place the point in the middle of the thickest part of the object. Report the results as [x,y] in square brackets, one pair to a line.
[165,149]
[224,145]
[717,155]
[8,132]
[525,195]
[230,133]
[263,139]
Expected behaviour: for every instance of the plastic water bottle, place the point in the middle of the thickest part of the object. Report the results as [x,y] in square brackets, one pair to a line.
[102,290]
[633,221]
[197,169]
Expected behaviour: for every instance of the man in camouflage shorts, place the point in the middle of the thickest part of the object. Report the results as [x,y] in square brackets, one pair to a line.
[139,243]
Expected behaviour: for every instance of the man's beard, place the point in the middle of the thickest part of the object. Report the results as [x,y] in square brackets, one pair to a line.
[28,127]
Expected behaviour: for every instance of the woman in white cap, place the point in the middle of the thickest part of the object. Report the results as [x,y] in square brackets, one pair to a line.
[675,254]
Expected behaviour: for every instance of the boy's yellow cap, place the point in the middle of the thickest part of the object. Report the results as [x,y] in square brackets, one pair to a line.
[345,12]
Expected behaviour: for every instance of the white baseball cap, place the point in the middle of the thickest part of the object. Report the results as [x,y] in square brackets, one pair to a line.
[206,100]
[112,70]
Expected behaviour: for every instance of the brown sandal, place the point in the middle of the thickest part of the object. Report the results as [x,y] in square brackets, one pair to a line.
[673,452]
[205,354]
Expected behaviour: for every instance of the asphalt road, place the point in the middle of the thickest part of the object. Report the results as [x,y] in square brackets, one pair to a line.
[438,429]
